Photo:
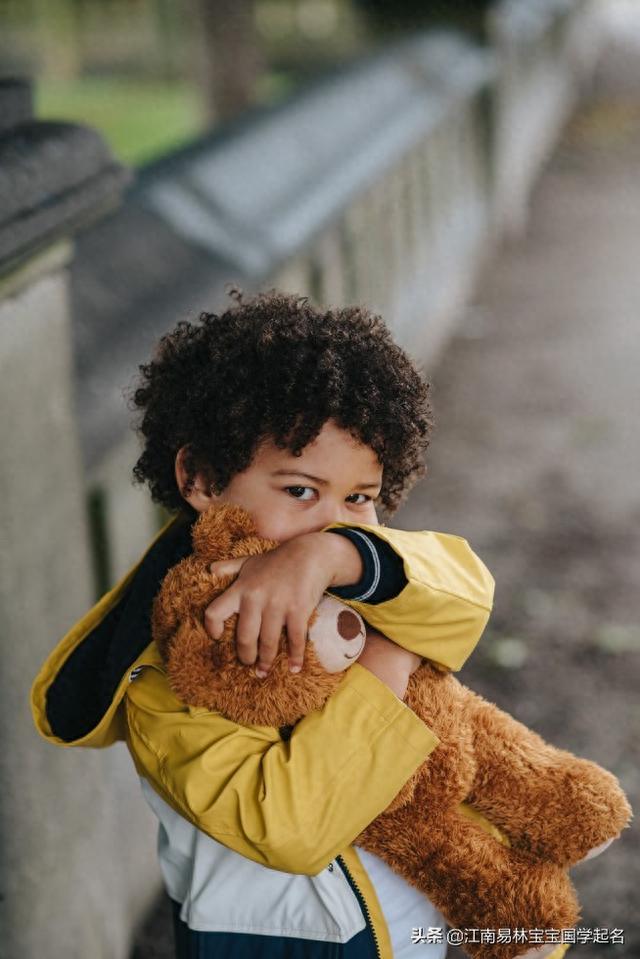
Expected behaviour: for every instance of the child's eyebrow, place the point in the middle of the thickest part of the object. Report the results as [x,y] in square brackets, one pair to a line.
[318,479]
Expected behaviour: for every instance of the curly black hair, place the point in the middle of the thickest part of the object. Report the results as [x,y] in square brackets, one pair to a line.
[275,367]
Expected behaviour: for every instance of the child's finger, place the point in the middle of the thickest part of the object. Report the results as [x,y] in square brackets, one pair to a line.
[269,641]
[248,631]
[228,567]
[297,629]
[218,611]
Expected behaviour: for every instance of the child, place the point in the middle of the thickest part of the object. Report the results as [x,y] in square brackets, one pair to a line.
[307,419]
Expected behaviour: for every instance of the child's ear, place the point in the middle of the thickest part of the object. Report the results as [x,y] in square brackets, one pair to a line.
[199,496]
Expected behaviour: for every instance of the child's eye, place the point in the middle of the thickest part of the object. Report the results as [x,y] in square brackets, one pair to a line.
[365,498]
[298,492]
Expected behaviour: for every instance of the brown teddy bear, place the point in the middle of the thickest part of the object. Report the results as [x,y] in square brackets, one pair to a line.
[551,809]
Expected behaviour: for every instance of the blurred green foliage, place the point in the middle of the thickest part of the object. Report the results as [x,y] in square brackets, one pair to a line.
[139,119]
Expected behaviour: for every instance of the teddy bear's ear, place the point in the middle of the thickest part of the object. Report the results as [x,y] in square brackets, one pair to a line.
[219,529]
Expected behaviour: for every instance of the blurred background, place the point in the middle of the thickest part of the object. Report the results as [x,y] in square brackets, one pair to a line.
[467,169]
[154,73]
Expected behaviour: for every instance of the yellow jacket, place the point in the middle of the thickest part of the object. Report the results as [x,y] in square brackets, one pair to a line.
[273,801]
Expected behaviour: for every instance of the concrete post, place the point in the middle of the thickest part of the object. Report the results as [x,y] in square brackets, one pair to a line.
[77,865]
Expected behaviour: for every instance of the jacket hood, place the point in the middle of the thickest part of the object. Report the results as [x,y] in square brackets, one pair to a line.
[75,697]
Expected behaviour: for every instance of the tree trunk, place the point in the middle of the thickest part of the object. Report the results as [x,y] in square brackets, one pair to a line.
[229,60]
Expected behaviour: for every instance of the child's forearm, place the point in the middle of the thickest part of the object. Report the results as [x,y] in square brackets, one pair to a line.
[443,607]
[434,598]
[342,558]
[383,577]
[385,659]
[391,663]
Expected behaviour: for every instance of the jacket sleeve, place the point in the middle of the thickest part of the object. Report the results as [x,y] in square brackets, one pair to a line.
[289,805]
[444,607]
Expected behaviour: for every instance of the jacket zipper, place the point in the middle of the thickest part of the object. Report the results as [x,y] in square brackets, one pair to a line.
[361,901]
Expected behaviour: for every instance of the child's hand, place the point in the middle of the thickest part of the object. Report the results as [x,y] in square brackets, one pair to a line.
[280,589]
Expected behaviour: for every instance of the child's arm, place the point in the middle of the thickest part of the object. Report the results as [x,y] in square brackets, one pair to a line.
[437,607]
[290,805]
[442,611]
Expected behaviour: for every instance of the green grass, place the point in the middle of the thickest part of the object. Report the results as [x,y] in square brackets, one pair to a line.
[139,120]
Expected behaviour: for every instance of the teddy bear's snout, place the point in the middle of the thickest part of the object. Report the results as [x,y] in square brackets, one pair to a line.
[338,634]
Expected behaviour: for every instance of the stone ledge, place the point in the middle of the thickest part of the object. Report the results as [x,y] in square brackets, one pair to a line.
[16,102]
[55,178]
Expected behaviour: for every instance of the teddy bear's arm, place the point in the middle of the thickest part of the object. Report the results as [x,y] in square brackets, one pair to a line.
[549,802]
[290,805]
[475,881]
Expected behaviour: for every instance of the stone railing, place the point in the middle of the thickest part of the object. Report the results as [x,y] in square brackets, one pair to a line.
[68,827]
[546,50]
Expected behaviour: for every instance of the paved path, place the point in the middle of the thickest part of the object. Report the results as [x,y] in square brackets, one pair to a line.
[536,461]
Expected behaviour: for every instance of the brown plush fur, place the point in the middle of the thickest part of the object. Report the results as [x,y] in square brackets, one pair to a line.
[205,672]
[550,806]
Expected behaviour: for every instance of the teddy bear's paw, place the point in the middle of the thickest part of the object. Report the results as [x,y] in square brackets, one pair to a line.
[598,849]
[579,806]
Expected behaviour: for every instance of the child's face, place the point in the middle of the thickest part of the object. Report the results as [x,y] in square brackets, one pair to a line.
[342,480]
